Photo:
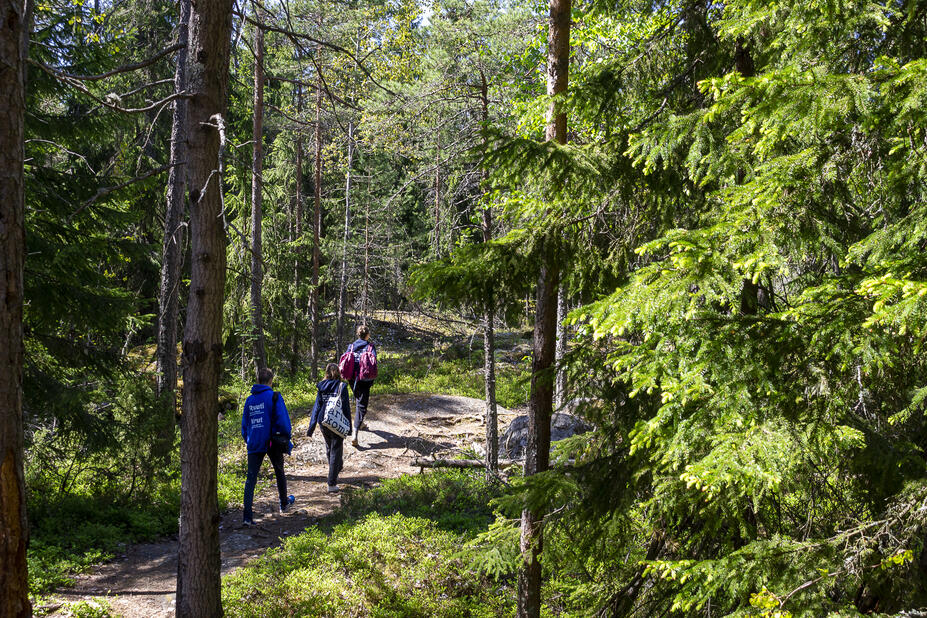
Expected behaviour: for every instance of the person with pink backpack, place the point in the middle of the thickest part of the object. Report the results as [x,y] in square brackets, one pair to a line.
[358,365]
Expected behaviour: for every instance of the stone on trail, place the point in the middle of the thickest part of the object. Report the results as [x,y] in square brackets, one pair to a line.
[512,442]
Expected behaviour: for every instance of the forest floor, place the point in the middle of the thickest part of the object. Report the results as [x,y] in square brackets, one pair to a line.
[400,427]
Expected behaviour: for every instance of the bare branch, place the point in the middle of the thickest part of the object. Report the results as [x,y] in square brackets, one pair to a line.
[60,147]
[108,101]
[331,95]
[298,35]
[104,191]
[123,69]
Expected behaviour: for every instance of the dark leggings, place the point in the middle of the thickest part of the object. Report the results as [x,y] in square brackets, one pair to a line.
[361,390]
[334,449]
[254,466]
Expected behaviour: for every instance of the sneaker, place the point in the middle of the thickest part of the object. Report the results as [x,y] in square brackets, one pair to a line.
[289,502]
[333,489]
[248,523]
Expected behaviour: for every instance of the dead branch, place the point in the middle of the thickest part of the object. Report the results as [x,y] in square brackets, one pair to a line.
[104,191]
[108,100]
[123,69]
[299,35]
[62,148]
[458,463]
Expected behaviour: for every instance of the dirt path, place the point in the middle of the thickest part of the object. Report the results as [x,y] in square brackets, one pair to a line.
[399,427]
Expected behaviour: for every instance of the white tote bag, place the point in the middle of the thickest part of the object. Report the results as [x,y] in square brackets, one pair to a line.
[333,416]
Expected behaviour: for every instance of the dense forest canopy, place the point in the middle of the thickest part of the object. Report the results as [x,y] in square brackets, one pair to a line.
[717,212]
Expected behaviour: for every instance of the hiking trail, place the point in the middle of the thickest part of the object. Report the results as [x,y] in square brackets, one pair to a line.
[142,581]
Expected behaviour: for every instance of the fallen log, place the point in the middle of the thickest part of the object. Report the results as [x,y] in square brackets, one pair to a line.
[458,463]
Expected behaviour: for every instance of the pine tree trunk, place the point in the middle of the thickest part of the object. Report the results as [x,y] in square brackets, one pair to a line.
[537,449]
[257,205]
[298,233]
[14,585]
[168,299]
[316,224]
[343,285]
[560,386]
[198,568]
[540,403]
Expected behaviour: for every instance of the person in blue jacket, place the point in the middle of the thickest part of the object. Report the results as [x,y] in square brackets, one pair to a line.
[330,387]
[360,388]
[265,426]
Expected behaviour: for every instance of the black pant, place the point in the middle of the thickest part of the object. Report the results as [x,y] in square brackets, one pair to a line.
[334,449]
[361,390]
[255,460]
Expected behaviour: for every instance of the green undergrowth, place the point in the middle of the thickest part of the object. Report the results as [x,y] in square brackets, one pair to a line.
[454,370]
[108,503]
[394,550]
[71,531]
[456,501]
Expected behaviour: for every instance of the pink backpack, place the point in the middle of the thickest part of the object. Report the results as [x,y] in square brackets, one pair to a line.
[346,364]
[368,364]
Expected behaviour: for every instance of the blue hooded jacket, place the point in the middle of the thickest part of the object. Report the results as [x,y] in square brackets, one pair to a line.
[259,419]
[327,390]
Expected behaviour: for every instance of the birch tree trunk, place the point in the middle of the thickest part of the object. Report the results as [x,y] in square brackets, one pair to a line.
[14,584]
[198,565]
[540,408]
[560,385]
[257,206]
[168,298]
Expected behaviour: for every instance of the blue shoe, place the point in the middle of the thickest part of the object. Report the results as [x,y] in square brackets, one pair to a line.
[289,502]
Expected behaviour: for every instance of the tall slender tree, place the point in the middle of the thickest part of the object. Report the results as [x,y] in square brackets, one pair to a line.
[317,215]
[198,568]
[297,234]
[343,284]
[257,210]
[14,588]
[168,298]
[540,403]
[489,318]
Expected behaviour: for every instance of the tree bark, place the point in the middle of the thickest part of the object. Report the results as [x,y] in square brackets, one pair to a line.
[257,206]
[298,233]
[437,204]
[489,335]
[540,403]
[365,297]
[422,462]
[749,291]
[316,222]
[168,298]
[343,285]
[198,568]
[14,584]
[489,367]
[560,385]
